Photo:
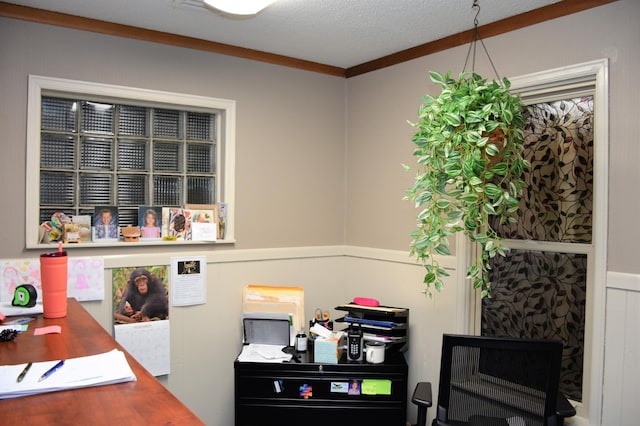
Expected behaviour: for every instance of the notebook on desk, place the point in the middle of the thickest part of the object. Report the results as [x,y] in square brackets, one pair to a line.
[95,370]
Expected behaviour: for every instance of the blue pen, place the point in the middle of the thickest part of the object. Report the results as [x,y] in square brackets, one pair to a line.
[51,370]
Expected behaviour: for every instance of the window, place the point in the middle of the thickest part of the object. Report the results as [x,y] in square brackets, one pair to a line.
[552,282]
[542,293]
[91,145]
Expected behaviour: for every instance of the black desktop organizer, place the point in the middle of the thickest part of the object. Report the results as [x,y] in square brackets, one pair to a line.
[380,323]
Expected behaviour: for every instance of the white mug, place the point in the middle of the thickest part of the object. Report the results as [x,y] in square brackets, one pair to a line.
[375,352]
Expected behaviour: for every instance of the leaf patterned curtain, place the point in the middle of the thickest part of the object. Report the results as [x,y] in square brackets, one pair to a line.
[541,295]
[557,201]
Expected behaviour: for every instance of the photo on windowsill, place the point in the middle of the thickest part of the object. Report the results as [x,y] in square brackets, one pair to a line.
[78,230]
[211,210]
[203,225]
[176,223]
[150,222]
[105,224]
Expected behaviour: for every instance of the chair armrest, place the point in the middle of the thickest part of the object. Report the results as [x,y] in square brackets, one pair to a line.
[564,407]
[422,395]
[422,398]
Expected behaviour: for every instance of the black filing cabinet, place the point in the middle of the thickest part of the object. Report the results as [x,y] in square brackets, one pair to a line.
[311,394]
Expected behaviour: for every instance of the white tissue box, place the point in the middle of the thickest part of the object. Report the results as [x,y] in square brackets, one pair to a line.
[328,350]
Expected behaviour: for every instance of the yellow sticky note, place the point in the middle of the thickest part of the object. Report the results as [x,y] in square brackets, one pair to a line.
[376,387]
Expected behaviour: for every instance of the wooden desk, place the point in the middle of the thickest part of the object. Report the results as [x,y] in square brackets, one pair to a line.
[145,401]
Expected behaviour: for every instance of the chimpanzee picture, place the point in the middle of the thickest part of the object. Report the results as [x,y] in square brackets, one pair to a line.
[140,294]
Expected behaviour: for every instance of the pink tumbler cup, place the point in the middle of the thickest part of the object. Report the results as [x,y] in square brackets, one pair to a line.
[53,276]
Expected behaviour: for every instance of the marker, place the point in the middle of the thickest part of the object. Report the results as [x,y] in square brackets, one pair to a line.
[23,372]
[51,370]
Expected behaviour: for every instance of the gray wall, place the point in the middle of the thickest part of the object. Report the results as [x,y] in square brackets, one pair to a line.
[290,125]
[380,103]
[378,141]
[319,183]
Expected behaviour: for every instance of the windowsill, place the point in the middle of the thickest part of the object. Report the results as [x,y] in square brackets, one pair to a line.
[156,243]
[576,421]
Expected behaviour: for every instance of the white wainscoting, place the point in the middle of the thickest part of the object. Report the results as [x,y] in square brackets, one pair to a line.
[621,387]
[210,334]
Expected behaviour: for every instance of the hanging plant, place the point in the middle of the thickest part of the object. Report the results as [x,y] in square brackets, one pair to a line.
[469,142]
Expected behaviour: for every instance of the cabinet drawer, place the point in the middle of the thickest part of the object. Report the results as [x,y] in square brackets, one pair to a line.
[320,415]
[313,394]
[308,388]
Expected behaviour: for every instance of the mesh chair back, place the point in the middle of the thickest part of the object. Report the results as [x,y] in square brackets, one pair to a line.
[499,381]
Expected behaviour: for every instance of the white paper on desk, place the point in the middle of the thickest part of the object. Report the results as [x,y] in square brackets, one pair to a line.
[9,310]
[95,370]
[255,352]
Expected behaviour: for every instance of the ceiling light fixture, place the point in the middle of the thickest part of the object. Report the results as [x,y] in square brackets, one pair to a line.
[239,7]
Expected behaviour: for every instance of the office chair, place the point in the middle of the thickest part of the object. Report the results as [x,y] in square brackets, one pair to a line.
[496,381]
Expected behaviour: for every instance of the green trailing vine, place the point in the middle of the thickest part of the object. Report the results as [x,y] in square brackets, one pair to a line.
[468,146]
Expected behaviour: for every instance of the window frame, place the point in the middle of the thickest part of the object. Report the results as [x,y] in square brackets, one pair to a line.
[592,77]
[224,109]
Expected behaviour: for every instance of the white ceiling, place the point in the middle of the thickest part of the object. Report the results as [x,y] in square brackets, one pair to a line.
[341,33]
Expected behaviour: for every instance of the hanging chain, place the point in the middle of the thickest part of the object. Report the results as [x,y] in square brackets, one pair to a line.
[472,46]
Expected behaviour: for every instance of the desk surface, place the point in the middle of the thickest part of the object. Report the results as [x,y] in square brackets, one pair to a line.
[145,401]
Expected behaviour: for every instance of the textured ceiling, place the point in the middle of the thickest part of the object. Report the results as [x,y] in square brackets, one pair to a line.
[341,33]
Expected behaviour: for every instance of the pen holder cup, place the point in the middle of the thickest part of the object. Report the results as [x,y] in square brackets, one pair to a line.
[53,277]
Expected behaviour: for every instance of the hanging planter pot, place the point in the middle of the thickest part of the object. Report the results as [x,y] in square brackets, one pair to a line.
[469,142]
